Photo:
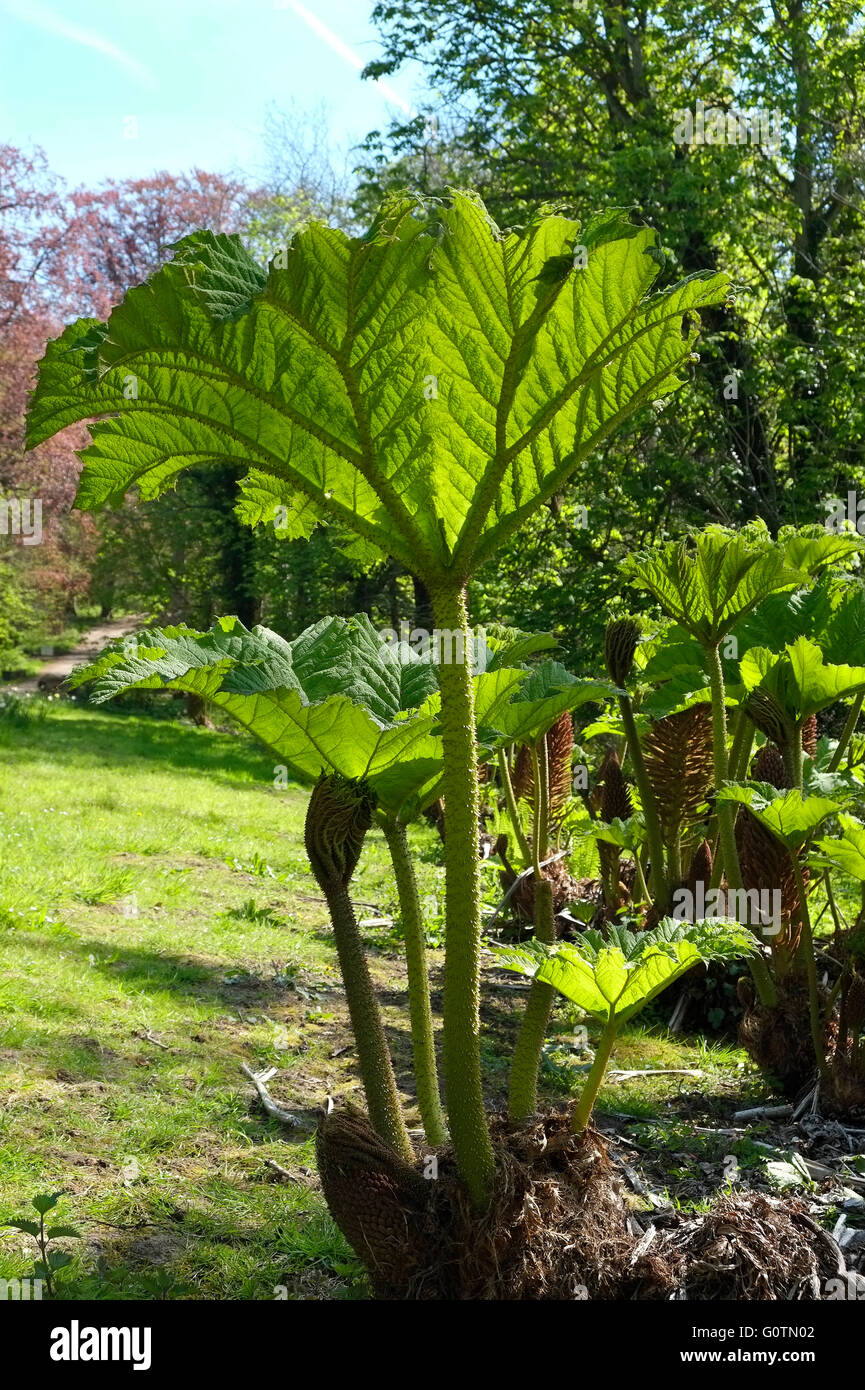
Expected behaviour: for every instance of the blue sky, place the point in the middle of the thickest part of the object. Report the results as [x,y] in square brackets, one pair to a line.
[121,88]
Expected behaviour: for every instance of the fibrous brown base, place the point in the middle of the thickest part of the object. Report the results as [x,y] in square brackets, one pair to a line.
[750,1246]
[558,1226]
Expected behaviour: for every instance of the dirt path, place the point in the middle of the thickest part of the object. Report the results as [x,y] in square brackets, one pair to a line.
[59,667]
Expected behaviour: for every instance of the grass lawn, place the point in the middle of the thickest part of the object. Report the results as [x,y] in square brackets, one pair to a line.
[159,928]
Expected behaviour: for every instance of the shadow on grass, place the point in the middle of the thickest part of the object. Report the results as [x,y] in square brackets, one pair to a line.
[120,740]
[138,971]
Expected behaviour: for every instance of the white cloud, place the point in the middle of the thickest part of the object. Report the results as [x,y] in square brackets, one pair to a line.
[43,18]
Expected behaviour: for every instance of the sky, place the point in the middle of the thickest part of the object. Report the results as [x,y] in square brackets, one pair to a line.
[123,88]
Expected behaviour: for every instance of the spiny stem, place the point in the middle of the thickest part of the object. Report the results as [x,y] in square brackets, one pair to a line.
[526,1060]
[376,1070]
[763,981]
[674,858]
[336,822]
[513,809]
[525,1063]
[793,757]
[847,732]
[807,953]
[461,1034]
[740,748]
[420,1012]
[589,1094]
[641,877]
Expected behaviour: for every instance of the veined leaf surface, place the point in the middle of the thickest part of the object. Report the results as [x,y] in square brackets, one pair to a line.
[427,384]
[337,698]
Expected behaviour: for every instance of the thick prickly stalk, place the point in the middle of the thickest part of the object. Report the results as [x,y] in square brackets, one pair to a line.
[339,815]
[513,809]
[615,804]
[847,733]
[461,1052]
[620,644]
[806,950]
[525,1063]
[584,1106]
[422,1036]
[763,981]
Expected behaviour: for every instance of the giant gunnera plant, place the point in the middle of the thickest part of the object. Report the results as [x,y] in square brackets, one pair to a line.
[429,386]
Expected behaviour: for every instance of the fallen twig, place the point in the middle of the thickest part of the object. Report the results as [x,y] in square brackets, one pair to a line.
[765,1112]
[278,1168]
[276,1111]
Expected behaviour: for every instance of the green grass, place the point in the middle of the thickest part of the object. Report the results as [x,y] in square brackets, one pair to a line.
[159,928]
[149,875]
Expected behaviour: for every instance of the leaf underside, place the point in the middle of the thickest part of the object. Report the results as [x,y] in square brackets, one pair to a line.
[338,698]
[426,384]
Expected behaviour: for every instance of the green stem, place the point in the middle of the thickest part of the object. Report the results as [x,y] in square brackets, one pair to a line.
[461,1034]
[763,982]
[740,748]
[43,1248]
[513,809]
[641,877]
[674,858]
[724,810]
[833,906]
[793,757]
[420,1012]
[806,949]
[526,1060]
[385,1110]
[647,799]
[847,732]
[589,1094]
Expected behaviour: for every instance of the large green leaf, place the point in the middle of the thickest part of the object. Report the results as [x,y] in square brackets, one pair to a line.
[427,384]
[509,646]
[338,698]
[546,693]
[848,851]
[817,552]
[627,834]
[799,678]
[333,699]
[791,817]
[842,638]
[624,971]
[708,583]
